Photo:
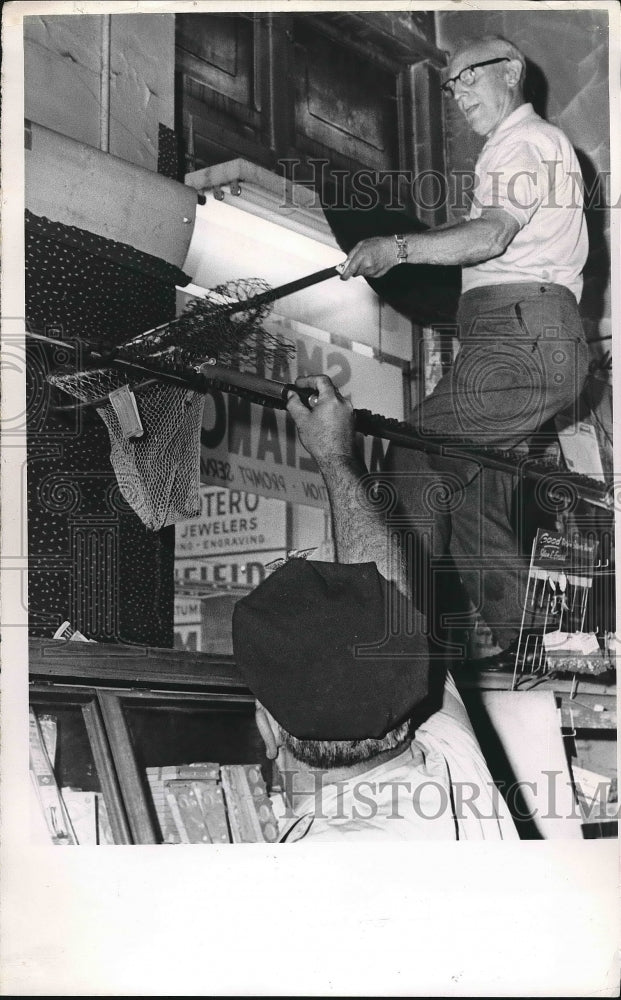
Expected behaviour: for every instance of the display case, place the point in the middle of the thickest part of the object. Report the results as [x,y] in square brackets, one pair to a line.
[127,734]
[120,715]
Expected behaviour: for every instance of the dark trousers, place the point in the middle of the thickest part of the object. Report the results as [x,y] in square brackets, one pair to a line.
[522,359]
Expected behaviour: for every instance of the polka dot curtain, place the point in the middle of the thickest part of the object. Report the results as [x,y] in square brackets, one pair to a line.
[91,560]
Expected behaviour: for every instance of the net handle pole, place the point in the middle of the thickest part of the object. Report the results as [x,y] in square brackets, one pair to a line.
[281,292]
[271,295]
[214,376]
[262,298]
[272,389]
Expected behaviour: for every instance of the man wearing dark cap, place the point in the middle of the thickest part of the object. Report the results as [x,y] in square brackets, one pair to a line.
[370,744]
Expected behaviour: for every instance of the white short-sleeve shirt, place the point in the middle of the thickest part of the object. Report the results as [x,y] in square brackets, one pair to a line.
[529,168]
[439,788]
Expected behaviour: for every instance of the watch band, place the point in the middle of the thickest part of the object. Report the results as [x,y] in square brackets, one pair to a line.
[402,249]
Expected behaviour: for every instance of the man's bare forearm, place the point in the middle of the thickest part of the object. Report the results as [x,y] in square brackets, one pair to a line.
[466,243]
[361,533]
[462,243]
[326,429]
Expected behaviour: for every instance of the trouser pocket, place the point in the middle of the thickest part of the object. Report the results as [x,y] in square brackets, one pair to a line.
[552,327]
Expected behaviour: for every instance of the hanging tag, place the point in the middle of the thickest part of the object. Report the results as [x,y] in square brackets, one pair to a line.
[124,404]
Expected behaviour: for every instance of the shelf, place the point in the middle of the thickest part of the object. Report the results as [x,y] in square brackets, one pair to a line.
[96,664]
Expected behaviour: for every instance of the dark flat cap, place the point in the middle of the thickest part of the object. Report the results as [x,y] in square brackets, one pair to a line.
[297,639]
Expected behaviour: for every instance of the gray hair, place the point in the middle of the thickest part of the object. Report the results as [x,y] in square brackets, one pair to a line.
[344,753]
[502,47]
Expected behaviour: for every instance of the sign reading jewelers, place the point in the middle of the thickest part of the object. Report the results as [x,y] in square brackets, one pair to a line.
[254,448]
[229,542]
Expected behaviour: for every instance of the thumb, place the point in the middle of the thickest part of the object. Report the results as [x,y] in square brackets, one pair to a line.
[295,406]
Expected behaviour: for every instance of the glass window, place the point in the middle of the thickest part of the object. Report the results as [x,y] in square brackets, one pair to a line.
[204,769]
[68,802]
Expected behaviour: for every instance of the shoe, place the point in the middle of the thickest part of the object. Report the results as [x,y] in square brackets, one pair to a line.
[505,660]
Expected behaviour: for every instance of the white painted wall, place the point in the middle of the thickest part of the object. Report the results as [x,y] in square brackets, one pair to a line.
[106,80]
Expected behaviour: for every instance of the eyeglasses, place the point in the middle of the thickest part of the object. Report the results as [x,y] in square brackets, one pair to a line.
[467,75]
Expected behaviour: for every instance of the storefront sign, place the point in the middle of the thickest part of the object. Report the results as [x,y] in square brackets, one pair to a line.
[188,639]
[187,611]
[231,522]
[574,552]
[220,572]
[250,447]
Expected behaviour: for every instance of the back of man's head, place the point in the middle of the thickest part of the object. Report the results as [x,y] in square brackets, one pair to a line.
[328,754]
[332,651]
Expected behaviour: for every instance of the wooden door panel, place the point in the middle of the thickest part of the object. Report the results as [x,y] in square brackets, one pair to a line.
[343,101]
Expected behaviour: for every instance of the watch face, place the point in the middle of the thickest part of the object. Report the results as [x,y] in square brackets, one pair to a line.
[402,249]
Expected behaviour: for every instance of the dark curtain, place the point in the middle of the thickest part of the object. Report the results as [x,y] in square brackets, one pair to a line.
[91,560]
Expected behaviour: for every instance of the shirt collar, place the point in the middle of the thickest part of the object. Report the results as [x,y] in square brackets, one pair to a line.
[515,118]
[337,781]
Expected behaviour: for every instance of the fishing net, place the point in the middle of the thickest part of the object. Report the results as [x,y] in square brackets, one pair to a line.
[154,427]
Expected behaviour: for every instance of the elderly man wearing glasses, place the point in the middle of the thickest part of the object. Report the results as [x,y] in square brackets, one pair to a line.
[522,357]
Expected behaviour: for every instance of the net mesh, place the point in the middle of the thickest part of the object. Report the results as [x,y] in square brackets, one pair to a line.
[226,324]
[159,472]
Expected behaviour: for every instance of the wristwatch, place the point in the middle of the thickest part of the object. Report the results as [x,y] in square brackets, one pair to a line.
[402,249]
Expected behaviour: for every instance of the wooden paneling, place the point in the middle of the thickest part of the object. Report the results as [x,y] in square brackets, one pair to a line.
[139,816]
[220,87]
[213,135]
[342,101]
[83,757]
[133,666]
[142,668]
[217,50]
[424,143]
[105,770]
[273,86]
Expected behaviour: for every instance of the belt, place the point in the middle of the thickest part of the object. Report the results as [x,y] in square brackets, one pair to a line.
[512,291]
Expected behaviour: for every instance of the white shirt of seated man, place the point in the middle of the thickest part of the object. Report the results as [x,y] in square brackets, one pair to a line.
[429,784]
[434,785]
